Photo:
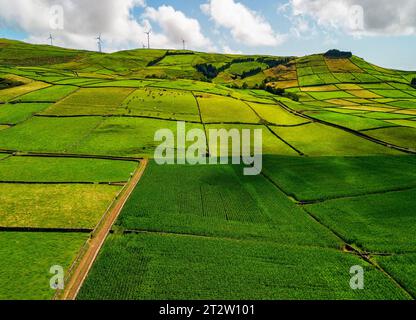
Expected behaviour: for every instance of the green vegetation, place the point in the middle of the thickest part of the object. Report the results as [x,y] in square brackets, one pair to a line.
[379,223]
[153,266]
[218,109]
[126,137]
[16,113]
[402,267]
[162,103]
[50,94]
[9,83]
[12,93]
[271,143]
[218,201]
[348,121]
[91,102]
[274,114]
[319,140]
[331,177]
[45,134]
[401,136]
[26,258]
[54,206]
[325,186]
[336,54]
[37,169]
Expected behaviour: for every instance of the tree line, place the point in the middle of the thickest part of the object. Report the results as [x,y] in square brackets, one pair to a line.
[210,71]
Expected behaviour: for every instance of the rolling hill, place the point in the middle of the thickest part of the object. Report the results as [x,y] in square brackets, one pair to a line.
[337,188]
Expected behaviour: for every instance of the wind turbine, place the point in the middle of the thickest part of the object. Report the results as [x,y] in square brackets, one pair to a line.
[148,38]
[99,43]
[184,44]
[51,39]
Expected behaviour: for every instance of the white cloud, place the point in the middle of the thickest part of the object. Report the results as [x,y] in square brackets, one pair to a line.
[246,26]
[177,27]
[227,50]
[85,20]
[360,17]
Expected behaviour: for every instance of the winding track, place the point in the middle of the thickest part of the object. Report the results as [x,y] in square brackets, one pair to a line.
[95,243]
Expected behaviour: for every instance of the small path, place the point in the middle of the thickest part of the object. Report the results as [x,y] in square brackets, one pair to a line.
[96,242]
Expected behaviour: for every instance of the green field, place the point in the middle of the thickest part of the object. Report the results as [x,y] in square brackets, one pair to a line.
[218,109]
[50,94]
[332,177]
[35,134]
[41,169]
[26,259]
[40,206]
[319,140]
[156,266]
[16,113]
[389,228]
[9,94]
[218,201]
[337,187]
[163,104]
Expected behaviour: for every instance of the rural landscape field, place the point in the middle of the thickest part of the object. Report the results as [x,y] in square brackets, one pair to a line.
[79,182]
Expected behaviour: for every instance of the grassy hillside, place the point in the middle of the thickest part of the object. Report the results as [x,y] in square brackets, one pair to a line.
[337,187]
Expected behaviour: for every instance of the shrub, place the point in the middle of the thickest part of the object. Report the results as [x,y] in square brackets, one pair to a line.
[413,83]
[7,83]
[337,54]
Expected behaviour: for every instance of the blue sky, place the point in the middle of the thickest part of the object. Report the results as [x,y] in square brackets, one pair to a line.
[276,27]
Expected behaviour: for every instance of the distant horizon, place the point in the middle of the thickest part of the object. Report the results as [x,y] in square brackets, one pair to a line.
[213,52]
[378,31]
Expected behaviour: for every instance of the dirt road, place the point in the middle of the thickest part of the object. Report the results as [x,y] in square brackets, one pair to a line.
[80,273]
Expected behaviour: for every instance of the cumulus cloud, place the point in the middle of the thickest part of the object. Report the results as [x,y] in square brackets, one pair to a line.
[177,27]
[85,20]
[246,26]
[359,17]
[227,50]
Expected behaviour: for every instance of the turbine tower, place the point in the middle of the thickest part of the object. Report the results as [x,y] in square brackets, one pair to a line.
[148,38]
[51,39]
[99,43]
[184,44]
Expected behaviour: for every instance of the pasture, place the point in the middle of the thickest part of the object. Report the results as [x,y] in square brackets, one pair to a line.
[41,206]
[26,258]
[338,178]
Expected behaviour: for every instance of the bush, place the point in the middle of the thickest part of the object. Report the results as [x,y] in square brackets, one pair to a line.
[7,83]
[281,92]
[413,83]
[337,54]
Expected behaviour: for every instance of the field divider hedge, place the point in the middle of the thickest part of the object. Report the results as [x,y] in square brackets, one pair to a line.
[44,230]
[62,182]
[69,155]
[202,121]
[112,116]
[378,128]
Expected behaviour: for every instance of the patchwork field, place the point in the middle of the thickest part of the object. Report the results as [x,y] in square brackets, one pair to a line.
[337,187]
